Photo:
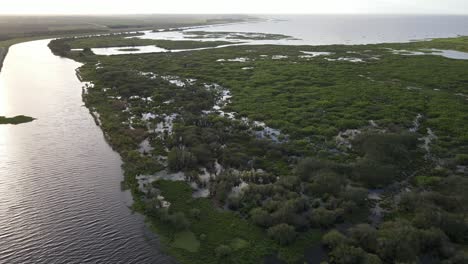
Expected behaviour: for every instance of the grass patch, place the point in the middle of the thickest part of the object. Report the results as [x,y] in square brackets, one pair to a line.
[186,240]
[238,243]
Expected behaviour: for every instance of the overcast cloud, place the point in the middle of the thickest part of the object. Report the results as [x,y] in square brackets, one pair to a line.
[234,6]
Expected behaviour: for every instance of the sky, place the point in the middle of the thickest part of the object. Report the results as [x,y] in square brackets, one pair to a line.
[234,6]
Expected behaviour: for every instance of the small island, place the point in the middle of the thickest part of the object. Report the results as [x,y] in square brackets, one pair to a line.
[15,120]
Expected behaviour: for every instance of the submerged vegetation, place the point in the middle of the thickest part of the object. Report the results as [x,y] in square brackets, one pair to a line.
[240,153]
[15,120]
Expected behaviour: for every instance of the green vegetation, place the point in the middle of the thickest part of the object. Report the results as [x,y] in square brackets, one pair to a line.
[210,229]
[129,39]
[186,240]
[15,120]
[16,29]
[187,44]
[234,35]
[3,52]
[337,127]
[129,49]
[31,26]
[458,44]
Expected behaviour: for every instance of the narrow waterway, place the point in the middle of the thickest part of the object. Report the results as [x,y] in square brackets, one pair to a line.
[60,196]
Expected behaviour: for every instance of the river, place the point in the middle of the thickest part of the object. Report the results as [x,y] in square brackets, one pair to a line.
[60,196]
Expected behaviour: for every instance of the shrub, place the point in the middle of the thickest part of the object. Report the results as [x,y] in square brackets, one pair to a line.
[223,251]
[462,159]
[179,221]
[323,217]
[333,239]
[284,234]
[260,217]
[365,235]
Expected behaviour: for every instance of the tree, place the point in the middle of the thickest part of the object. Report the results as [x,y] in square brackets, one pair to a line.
[323,217]
[326,181]
[195,213]
[87,51]
[355,194]
[179,221]
[285,213]
[307,167]
[372,259]
[284,234]
[374,173]
[180,159]
[459,258]
[223,251]
[347,254]
[435,240]
[365,235]
[384,157]
[260,217]
[333,239]
[398,241]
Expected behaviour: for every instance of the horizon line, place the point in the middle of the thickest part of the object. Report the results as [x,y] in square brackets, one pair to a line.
[244,14]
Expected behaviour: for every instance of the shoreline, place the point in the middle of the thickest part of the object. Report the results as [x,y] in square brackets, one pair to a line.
[6,44]
[3,53]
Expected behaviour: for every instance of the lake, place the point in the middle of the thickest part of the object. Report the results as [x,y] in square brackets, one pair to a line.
[319,30]
[354,29]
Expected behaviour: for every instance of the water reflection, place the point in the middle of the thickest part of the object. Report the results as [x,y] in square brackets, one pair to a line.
[60,198]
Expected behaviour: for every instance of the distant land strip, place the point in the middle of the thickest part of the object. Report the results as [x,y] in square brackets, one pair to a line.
[15,120]
[51,27]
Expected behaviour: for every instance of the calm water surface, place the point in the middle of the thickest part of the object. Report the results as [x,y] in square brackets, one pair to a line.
[60,197]
[354,29]
[337,29]
[321,30]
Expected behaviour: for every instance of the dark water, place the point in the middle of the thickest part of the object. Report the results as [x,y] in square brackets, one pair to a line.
[60,197]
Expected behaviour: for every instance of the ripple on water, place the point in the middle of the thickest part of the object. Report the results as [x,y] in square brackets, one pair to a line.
[59,180]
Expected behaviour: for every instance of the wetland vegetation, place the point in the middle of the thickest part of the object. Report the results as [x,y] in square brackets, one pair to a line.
[238,153]
[234,35]
[15,29]
[130,39]
[15,120]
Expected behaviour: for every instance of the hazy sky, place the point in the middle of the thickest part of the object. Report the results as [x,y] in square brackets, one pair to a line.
[233,6]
